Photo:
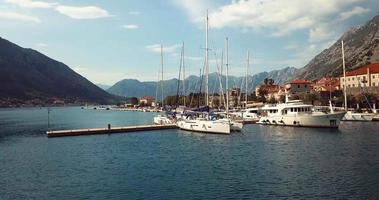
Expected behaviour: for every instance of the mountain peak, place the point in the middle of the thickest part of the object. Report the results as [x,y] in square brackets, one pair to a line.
[26,74]
[361,46]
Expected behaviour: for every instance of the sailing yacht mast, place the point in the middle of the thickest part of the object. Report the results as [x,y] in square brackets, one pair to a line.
[247,68]
[227,79]
[162,75]
[206,62]
[156,90]
[184,78]
[344,75]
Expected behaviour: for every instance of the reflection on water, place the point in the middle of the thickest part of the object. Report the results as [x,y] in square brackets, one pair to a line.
[260,162]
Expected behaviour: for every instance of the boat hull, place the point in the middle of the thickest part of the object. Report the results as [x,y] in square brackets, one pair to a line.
[162,120]
[204,126]
[349,116]
[320,120]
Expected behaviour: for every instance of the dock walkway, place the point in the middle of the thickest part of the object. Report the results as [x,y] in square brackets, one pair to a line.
[95,131]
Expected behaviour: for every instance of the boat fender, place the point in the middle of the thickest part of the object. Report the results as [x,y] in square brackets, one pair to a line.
[281,121]
[294,122]
[273,121]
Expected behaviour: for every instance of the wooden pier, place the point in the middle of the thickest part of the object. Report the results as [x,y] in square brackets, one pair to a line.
[96,131]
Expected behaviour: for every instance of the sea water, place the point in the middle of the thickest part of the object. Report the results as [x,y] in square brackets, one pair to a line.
[261,162]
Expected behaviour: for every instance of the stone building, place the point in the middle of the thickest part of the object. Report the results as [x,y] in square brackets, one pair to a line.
[365,78]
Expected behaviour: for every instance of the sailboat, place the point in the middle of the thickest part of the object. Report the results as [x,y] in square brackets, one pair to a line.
[353,116]
[234,125]
[247,115]
[206,123]
[162,118]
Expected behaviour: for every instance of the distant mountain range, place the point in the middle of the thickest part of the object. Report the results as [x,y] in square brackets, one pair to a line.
[26,74]
[103,86]
[132,87]
[361,48]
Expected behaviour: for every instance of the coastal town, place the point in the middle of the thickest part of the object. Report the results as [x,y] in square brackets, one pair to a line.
[362,88]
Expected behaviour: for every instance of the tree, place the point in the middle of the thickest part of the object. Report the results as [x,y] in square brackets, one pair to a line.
[311,98]
[272,100]
[271,81]
[134,100]
[262,94]
[265,81]
[215,101]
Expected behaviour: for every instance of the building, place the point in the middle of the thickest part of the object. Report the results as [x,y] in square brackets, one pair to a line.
[365,77]
[327,84]
[147,100]
[297,87]
[271,91]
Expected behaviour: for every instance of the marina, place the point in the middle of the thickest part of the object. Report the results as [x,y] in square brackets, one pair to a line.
[189,100]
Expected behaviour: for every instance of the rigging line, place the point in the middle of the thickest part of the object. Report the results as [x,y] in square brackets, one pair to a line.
[178,87]
[219,77]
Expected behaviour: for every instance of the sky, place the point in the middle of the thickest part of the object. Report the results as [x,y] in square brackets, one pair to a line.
[107,41]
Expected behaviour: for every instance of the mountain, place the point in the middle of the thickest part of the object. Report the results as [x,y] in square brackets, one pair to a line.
[132,87]
[361,48]
[26,74]
[103,86]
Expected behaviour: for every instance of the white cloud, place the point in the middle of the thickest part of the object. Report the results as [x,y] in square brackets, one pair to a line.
[290,47]
[18,17]
[130,26]
[85,12]
[31,4]
[167,49]
[357,10]
[194,58]
[283,16]
[41,44]
[280,17]
[135,12]
[321,33]
[195,9]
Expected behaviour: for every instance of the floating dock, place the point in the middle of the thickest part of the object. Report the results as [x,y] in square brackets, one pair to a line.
[109,130]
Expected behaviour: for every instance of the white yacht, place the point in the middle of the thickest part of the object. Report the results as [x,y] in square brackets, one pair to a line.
[353,116]
[249,115]
[205,125]
[296,113]
[163,120]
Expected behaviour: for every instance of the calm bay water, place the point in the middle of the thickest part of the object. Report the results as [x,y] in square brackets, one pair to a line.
[261,162]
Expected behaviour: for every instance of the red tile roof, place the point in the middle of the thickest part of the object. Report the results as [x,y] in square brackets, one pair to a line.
[148,98]
[374,68]
[300,82]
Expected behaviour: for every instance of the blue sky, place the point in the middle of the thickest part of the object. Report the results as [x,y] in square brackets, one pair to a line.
[107,41]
